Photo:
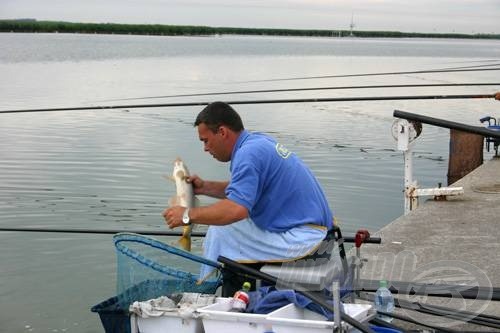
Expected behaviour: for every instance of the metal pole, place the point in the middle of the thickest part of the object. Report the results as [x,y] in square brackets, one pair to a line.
[409,204]
[447,124]
[404,145]
[336,306]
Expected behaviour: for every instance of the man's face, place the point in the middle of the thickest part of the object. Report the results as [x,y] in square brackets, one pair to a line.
[213,142]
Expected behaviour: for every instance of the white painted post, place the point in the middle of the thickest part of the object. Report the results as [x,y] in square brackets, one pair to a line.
[401,131]
[405,133]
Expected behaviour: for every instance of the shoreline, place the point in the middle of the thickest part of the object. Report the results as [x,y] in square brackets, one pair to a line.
[34,26]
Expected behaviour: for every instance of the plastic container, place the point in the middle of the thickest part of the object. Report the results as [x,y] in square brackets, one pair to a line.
[384,301]
[176,314]
[114,312]
[293,319]
[219,318]
[171,322]
[114,318]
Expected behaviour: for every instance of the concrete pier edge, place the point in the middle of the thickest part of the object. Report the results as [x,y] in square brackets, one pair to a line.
[456,241]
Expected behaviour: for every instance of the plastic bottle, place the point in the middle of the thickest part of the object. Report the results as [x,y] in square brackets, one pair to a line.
[241,299]
[384,301]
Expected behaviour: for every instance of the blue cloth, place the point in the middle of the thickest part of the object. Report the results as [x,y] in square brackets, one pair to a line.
[277,188]
[268,299]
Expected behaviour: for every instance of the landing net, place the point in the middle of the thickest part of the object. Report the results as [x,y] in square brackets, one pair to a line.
[148,268]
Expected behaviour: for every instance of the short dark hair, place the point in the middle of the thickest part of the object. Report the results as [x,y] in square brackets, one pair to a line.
[219,113]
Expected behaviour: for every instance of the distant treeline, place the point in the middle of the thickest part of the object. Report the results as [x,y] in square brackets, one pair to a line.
[32,25]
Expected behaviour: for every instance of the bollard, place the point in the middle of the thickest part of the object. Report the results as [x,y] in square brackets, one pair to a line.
[466,154]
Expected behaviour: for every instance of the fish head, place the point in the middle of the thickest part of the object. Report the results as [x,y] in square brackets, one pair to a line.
[180,170]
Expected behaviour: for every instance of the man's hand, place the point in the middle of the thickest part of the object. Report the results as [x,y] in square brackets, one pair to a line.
[497,96]
[198,184]
[214,189]
[173,216]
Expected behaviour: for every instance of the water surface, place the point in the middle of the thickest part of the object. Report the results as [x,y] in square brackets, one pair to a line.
[105,168]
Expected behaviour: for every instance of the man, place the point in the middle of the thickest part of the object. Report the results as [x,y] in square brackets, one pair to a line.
[272,209]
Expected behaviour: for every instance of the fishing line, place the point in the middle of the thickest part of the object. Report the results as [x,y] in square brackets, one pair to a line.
[309,89]
[375,74]
[266,101]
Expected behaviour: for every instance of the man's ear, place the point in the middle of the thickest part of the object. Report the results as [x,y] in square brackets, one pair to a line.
[223,131]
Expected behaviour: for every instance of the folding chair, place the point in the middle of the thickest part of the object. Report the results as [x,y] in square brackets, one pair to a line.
[316,271]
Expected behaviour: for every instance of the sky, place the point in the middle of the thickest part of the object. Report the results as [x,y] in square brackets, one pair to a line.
[459,16]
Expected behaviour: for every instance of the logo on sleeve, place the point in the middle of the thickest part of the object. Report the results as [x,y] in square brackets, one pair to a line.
[282,150]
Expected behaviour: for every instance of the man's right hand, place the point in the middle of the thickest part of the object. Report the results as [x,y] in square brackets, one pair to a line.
[198,184]
[214,189]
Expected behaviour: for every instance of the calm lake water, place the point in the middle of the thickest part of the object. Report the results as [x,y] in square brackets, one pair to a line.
[104,169]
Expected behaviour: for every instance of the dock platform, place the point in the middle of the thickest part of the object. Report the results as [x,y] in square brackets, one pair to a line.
[456,241]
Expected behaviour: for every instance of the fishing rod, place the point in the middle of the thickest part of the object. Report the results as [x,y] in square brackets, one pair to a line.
[240,268]
[380,322]
[461,315]
[478,318]
[348,239]
[462,312]
[102,231]
[449,313]
[265,101]
[472,61]
[376,74]
[474,66]
[435,290]
[308,89]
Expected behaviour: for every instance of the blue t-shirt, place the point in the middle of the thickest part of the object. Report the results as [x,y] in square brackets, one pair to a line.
[276,187]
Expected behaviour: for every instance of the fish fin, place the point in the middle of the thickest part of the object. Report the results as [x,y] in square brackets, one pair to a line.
[169,178]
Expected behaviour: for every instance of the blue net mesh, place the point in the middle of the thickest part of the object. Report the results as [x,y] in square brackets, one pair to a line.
[148,268]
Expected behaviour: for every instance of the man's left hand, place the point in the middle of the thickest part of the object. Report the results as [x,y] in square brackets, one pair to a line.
[173,216]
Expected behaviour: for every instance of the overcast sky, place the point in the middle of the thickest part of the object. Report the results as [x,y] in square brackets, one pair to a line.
[464,16]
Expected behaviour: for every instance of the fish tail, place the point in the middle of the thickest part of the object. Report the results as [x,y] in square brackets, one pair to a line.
[185,240]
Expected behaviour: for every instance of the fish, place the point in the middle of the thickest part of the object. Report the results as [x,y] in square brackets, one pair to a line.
[184,197]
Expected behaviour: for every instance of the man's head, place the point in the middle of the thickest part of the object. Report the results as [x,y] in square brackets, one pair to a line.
[218,128]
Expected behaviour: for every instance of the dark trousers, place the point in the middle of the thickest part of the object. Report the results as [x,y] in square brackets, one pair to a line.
[233,282]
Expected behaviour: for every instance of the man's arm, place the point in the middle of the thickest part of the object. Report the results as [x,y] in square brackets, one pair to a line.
[221,213]
[215,189]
